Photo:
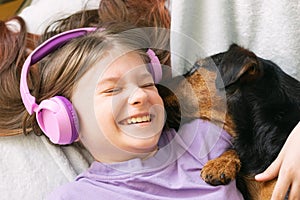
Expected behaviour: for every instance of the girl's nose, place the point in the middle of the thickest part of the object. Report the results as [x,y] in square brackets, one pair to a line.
[138,96]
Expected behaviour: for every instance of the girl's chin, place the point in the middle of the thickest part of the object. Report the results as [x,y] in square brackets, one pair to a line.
[141,131]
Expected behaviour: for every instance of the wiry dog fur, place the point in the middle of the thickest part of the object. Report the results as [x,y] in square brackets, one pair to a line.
[263,106]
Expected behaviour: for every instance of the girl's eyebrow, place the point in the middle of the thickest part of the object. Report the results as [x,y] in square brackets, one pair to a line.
[109,80]
[144,75]
[114,79]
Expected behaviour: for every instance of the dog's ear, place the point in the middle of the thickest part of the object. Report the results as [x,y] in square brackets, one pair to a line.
[239,66]
[250,70]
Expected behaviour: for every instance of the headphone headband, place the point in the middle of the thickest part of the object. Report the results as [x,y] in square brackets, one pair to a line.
[56,116]
[38,54]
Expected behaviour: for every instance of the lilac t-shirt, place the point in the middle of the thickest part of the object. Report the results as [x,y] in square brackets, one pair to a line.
[172,173]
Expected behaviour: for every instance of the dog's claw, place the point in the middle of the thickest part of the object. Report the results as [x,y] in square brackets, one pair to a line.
[222,176]
[222,170]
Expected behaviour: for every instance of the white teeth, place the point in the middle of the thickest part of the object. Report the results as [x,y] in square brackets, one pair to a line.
[134,120]
[145,118]
[138,119]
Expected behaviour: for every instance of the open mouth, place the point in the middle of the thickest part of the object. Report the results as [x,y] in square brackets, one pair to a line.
[137,119]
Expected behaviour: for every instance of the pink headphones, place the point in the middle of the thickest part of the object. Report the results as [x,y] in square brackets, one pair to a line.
[56,116]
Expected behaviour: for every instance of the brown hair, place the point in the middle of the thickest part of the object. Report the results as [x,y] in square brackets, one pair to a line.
[14,47]
[146,13]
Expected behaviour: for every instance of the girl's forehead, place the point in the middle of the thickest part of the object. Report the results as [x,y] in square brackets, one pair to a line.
[119,66]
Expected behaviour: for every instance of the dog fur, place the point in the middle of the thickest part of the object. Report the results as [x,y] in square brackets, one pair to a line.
[262,108]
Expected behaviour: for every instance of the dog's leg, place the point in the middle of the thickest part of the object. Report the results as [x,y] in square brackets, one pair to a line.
[222,170]
[260,190]
[266,190]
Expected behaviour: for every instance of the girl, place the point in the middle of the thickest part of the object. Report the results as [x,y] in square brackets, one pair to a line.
[37,155]
[118,115]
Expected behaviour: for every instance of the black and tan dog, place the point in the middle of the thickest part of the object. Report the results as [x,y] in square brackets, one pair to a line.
[263,106]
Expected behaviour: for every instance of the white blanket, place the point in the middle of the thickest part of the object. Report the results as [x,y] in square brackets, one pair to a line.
[270,28]
[41,13]
[31,167]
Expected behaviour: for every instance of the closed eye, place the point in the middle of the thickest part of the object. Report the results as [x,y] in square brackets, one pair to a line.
[148,85]
[112,91]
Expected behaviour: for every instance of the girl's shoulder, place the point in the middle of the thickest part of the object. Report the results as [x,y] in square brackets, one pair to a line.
[202,138]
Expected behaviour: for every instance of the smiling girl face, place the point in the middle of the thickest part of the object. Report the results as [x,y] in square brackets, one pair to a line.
[128,110]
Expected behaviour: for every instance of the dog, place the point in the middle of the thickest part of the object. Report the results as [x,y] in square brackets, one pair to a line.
[262,108]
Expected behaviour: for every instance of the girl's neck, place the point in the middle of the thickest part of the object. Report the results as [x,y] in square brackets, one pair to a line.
[128,156]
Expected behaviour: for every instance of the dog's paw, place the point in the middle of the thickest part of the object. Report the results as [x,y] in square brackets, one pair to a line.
[222,170]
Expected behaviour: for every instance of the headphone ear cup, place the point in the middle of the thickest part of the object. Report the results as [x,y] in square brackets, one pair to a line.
[58,120]
[155,67]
